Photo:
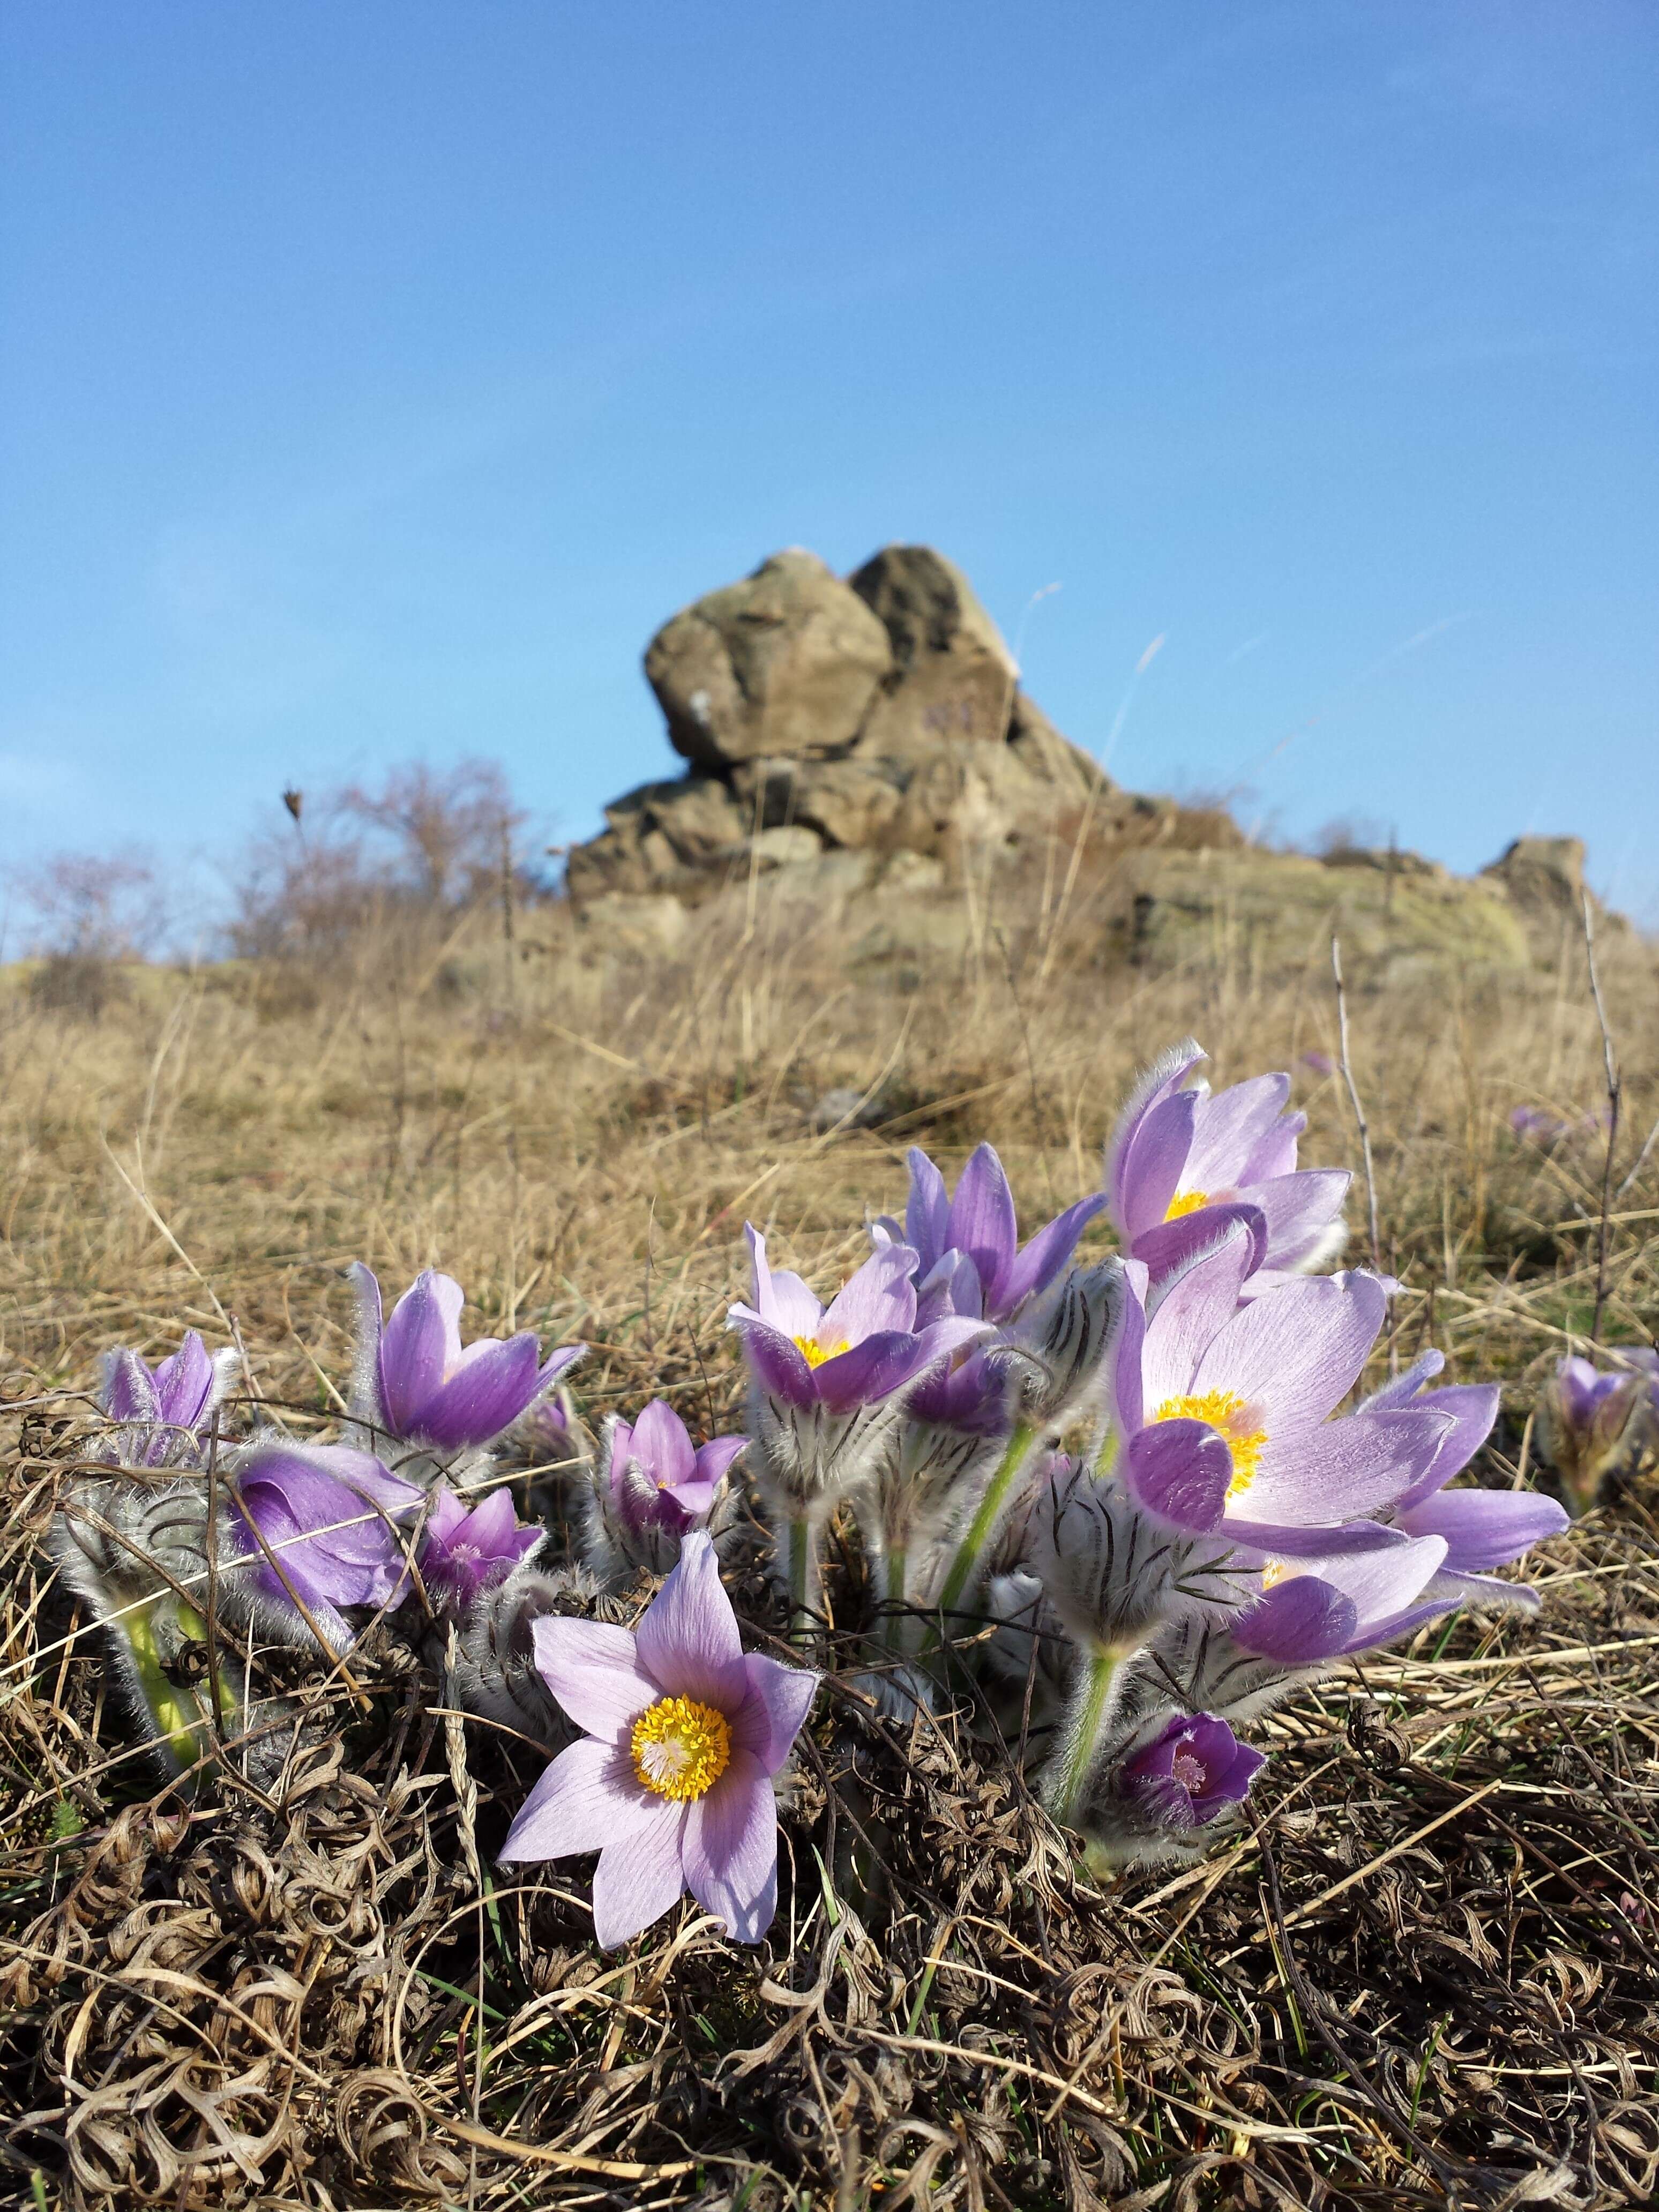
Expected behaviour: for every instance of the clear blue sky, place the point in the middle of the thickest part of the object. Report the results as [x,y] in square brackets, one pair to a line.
[375,377]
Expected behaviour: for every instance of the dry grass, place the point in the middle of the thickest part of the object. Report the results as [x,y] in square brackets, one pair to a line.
[1425,1976]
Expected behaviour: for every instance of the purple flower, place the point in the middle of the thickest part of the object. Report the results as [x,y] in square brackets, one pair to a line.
[1222,1409]
[1319,1063]
[860,1349]
[673,1783]
[464,1552]
[655,1486]
[1597,1429]
[162,1410]
[969,1256]
[1533,1125]
[1191,1772]
[1307,1615]
[1182,1165]
[327,1513]
[417,1384]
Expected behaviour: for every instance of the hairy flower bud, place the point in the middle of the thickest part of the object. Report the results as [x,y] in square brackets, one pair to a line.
[495,1670]
[1056,1349]
[1597,1430]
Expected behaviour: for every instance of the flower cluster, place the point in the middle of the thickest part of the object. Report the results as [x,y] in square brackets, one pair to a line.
[1123,1494]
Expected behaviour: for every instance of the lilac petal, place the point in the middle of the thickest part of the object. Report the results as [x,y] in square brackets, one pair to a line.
[1490,1591]
[928,1211]
[870,1370]
[1470,1409]
[773,1711]
[1299,1210]
[184,1385]
[1383,1584]
[781,1300]
[730,1850]
[688,1637]
[490,1387]
[595,1671]
[446,1517]
[368,1357]
[1158,1158]
[494,1522]
[1127,1353]
[662,1447]
[1400,1624]
[1274,1154]
[129,1389]
[1048,1252]
[950,1286]
[776,1360]
[588,1798]
[1404,1387]
[1186,1315]
[419,1345]
[640,1876]
[1165,1075]
[1180,1470]
[1262,1540]
[681,1504]
[1228,1129]
[1345,1468]
[1300,1352]
[557,1364]
[1168,1248]
[881,1295]
[983,1223]
[1302,1620]
[1485,1529]
[714,1460]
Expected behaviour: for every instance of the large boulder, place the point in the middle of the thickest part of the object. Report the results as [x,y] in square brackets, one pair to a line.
[952,675]
[787,661]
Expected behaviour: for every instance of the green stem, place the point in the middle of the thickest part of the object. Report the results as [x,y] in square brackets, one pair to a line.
[1097,1689]
[965,1565]
[1106,1458]
[800,1577]
[893,1623]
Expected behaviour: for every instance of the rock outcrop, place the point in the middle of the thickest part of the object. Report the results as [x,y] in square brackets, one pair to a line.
[864,745]
[880,715]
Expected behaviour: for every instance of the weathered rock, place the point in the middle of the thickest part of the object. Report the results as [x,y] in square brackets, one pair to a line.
[952,675]
[787,661]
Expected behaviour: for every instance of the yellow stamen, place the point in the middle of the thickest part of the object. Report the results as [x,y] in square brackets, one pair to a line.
[680,1748]
[1188,1202]
[1228,1414]
[1274,1572]
[814,1353]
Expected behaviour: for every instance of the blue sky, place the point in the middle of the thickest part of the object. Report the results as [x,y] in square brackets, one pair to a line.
[375,378]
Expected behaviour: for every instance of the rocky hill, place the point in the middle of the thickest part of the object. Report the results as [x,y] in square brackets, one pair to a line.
[865,739]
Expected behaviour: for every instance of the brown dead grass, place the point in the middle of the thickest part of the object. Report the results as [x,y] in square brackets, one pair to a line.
[1425,1976]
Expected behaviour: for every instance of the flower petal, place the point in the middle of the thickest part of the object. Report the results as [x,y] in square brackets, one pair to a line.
[1171,1245]
[688,1637]
[775,1361]
[1299,1211]
[1299,1350]
[714,1460]
[1483,1528]
[184,1385]
[638,1876]
[490,1387]
[1180,1471]
[661,1445]
[1155,1167]
[588,1798]
[420,1343]
[880,1297]
[1048,1252]
[595,1671]
[983,1223]
[1189,1312]
[1228,1129]
[781,1300]
[927,1210]
[730,1850]
[774,1711]
[1344,1468]
[129,1389]
[1164,1076]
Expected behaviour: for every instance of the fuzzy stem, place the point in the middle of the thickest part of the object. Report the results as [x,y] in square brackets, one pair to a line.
[893,1622]
[1091,1710]
[965,1565]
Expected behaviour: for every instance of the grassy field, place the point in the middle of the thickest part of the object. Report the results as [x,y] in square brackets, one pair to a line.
[1423,1974]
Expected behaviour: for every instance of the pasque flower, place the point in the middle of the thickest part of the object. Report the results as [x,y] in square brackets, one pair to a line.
[160,1412]
[329,1513]
[1222,1409]
[1312,1613]
[1191,1771]
[673,1783]
[1597,1428]
[464,1552]
[969,1257]
[655,1485]
[1183,1165]
[415,1382]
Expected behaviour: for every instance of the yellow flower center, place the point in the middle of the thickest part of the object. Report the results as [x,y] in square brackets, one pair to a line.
[814,1353]
[1188,1202]
[1229,1415]
[1275,1571]
[681,1748]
